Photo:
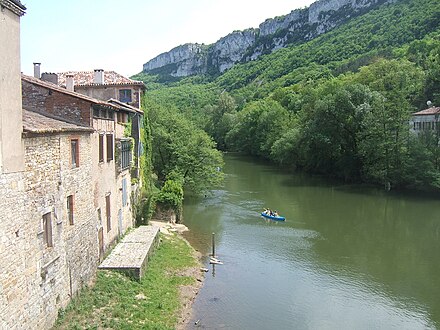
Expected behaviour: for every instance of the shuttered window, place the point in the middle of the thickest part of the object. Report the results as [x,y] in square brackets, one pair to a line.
[101,148]
[109,147]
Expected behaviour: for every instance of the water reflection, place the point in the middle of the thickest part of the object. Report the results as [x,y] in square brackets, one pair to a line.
[347,257]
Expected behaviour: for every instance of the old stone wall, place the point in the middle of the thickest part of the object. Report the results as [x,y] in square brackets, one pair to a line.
[107,92]
[40,99]
[40,279]
[103,92]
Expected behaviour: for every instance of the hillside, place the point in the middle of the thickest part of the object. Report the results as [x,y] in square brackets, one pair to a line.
[297,27]
[320,106]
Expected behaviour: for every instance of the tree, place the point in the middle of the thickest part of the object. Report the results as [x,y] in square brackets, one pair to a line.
[221,118]
[400,83]
[258,126]
[180,147]
[332,128]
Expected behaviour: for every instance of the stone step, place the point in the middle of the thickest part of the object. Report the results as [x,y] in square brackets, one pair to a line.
[132,253]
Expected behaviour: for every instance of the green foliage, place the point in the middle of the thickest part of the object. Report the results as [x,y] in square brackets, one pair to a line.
[257,127]
[142,202]
[180,147]
[337,105]
[171,194]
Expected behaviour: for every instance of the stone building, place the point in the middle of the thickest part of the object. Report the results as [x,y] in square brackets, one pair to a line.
[112,87]
[47,218]
[103,85]
[65,185]
[111,150]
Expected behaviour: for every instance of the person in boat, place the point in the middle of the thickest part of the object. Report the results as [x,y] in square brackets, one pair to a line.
[267,211]
[275,213]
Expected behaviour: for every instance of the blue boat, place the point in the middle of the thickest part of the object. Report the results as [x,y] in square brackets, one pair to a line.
[273,217]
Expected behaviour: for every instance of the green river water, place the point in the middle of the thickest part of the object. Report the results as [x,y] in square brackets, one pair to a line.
[347,257]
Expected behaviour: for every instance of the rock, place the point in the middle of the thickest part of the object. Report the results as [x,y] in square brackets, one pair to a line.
[242,46]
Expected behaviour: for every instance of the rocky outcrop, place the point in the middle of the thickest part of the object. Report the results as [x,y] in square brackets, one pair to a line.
[298,26]
[230,49]
[181,61]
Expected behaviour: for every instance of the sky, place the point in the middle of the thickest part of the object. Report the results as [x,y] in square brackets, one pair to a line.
[82,35]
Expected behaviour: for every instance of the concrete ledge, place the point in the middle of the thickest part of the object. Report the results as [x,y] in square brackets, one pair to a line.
[132,253]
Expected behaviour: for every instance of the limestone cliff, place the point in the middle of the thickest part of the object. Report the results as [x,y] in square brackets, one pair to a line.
[241,46]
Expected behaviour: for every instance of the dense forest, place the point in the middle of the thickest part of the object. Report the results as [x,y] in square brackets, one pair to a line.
[338,105]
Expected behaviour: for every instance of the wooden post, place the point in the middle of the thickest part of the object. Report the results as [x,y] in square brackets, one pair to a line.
[213,245]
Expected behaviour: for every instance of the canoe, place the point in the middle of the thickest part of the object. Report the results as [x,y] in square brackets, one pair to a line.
[273,217]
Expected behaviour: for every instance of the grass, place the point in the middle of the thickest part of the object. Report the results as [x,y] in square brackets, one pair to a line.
[118,302]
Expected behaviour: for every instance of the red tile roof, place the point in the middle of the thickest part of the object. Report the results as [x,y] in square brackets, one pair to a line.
[429,111]
[86,78]
[37,123]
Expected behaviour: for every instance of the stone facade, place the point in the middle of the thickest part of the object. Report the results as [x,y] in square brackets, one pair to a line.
[56,103]
[43,274]
[112,213]
[41,279]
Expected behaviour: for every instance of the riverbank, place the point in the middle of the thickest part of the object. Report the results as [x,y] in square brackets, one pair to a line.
[161,300]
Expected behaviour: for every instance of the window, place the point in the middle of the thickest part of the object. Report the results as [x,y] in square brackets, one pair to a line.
[125,95]
[107,212]
[122,117]
[125,154]
[101,148]
[103,113]
[47,229]
[109,114]
[70,209]
[74,147]
[109,147]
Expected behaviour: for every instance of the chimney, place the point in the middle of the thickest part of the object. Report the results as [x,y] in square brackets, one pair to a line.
[50,77]
[37,70]
[70,84]
[99,76]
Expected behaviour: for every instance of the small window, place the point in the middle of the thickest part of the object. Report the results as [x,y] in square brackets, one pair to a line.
[122,117]
[101,148]
[108,212]
[125,95]
[96,113]
[47,229]
[74,147]
[70,209]
[109,147]
[110,115]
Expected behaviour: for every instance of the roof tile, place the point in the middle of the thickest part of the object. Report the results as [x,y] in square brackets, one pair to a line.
[429,111]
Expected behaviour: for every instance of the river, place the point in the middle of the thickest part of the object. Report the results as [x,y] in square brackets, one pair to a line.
[347,257]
